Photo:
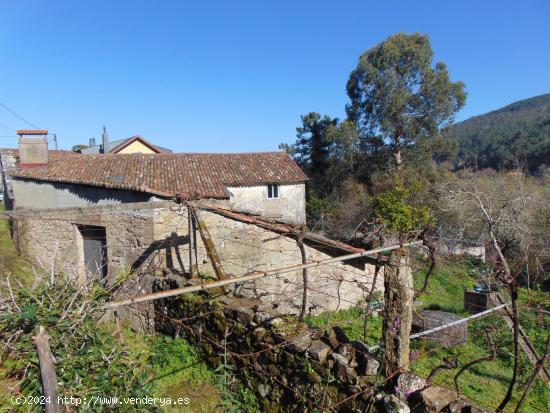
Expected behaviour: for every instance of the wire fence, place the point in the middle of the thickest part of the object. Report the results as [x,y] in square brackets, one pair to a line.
[425,356]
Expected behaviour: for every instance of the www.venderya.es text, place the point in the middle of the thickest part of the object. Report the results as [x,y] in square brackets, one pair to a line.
[101,401]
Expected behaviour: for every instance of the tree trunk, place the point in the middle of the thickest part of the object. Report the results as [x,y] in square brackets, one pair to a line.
[397,153]
[47,370]
[536,371]
[515,319]
[398,300]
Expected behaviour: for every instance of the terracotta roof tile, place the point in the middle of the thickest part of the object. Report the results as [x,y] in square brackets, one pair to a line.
[167,174]
[32,132]
[322,243]
[52,154]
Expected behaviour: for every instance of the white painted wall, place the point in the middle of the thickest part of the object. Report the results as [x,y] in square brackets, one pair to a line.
[289,207]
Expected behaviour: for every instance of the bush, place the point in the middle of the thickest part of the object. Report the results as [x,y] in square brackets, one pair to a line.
[89,360]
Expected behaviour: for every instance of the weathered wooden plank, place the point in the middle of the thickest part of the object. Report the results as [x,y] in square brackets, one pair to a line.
[209,245]
[47,370]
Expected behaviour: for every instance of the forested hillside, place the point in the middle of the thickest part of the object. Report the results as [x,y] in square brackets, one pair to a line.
[498,139]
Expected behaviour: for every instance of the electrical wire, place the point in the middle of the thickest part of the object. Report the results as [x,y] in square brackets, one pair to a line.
[18,117]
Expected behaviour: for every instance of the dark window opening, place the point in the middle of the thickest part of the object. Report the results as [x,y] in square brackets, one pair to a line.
[95,251]
[273,191]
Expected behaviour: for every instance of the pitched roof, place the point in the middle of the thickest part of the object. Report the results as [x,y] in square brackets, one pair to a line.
[129,141]
[52,154]
[115,146]
[169,174]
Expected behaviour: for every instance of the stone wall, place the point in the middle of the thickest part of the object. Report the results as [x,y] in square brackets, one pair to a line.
[292,367]
[153,239]
[289,366]
[7,166]
[52,235]
[458,248]
[245,247]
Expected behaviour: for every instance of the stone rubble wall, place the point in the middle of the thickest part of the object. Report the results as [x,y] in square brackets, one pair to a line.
[52,236]
[288,366]
[48,234]
[245,247]
[292,367]
[153,239]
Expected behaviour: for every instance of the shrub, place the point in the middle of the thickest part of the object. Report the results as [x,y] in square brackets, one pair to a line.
[89,360]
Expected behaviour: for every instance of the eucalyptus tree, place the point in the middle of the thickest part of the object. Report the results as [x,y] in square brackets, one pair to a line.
[397,92]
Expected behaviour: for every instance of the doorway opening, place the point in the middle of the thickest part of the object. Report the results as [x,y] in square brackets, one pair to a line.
[95,251]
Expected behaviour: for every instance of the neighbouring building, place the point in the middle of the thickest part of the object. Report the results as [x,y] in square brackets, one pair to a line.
[133,144]
[108,215]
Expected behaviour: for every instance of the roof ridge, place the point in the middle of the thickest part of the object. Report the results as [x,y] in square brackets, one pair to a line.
[208,175]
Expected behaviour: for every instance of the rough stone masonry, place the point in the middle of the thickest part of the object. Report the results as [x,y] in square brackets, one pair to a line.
[150,240]
[292,367]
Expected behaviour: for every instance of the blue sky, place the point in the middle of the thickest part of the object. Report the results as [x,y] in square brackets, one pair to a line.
[235,76]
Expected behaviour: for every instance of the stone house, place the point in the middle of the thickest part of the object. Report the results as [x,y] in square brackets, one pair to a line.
[114,215]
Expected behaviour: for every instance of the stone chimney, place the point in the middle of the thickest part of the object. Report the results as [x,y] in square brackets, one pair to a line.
[92,142]
[105,139]
[33,148]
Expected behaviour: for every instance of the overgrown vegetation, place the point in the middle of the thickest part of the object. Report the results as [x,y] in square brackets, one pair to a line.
[485,383]
[11,263]
[89,361]
[94,359]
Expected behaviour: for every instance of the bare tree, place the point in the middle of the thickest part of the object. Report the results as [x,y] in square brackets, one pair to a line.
[540,364]
[504,207]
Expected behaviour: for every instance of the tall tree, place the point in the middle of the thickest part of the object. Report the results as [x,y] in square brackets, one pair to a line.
[397,94]
[312,148]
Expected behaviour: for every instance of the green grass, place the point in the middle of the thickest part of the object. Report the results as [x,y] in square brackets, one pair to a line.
[19,270]
[176,370]
[485,383]
[446,284]
[536,325]
[11,263]
[351,321]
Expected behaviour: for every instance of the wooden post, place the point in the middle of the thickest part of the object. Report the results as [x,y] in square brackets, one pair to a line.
[305,276]
[209,245]
[47,370]
[193,268]
[398,300]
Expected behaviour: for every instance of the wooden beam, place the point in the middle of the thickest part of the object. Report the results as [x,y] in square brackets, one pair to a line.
[209,245]
[249,277]
[47,370]
[193,267]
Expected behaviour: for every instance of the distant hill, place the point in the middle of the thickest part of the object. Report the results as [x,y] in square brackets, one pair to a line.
[495,140]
